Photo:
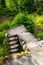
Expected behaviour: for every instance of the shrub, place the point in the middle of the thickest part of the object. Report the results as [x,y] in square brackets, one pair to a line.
[4,48]
[26,20]
[39,21]
[3,44]
[20,5]
[40,35]
[0,3]
[2,7]
[28,5]
[2,36]
[40,11]
[11,5]
[5,25]
[3,3]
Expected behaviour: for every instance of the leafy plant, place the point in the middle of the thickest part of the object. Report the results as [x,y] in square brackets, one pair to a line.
[5,25]
[40,35]
[23,53]
[3,44]
[39,21]
[20,5]
[40,11]
[26,20]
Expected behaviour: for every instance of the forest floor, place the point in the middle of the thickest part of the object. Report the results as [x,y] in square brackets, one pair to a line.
[2,18]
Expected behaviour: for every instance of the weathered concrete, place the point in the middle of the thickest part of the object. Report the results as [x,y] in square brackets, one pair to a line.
[35,45]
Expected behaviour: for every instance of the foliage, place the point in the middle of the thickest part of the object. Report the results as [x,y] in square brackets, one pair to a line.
[2,37]
[39,21]
[5,25]
[41,1]
[23,53]
[3,44]
[40,35]
[39,25]
[3,49]
[14,7]
[40,11]
[11,5]
[40,7]
[20,5]
[0,5]
[3,3]
[26,20]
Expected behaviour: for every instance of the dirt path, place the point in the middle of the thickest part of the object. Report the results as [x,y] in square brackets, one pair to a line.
[2,18]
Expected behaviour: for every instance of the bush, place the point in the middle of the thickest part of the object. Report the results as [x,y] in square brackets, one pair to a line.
[0,5]
[4,48]
[11,5]
[5,25]
[3,44]
[26,20]
[39,21]
[28,5]
[39,25]
[2,37]
[40,35]
[40,11]
[20,5]
[3,3]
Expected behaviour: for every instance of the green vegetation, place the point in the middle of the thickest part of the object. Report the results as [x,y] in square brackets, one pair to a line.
[5,25]
[26,20]
[20,5]
[13,7]
[40,35]
[23,53]
[39,21]
[40,11]
[39,25]
[3,44]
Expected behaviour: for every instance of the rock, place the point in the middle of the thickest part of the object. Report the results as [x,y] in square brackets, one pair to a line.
[13,46]
[21,61]
[35,45]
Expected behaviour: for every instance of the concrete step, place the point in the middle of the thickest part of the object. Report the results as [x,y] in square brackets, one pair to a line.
[14,46]
[13,42]
[14,51]
[12,38]
[9,36]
